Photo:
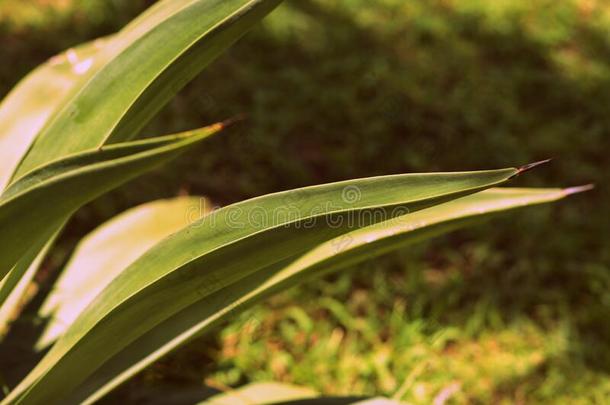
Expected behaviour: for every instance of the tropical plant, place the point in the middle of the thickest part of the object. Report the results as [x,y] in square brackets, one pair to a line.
[168,271]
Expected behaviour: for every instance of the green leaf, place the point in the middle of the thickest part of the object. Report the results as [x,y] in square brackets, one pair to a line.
[146,64]
[35,207]
[261,393]
[15,284]
[108,250]
[376,401]
[199,261]
[29,106]
[105,91]
[344,250]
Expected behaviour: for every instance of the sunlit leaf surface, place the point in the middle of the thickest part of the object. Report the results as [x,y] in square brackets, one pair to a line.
[29,106]
[346,249]
[33,208]
[261,393]
[147,63]
[107,251]
[225,248]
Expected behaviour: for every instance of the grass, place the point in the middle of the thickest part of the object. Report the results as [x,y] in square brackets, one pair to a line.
[411,332]
[514,311]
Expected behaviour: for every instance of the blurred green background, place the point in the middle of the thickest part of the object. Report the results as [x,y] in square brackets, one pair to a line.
[514,311]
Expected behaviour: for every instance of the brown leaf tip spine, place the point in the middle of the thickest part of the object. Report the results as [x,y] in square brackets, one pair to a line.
[233,120]
[530,166]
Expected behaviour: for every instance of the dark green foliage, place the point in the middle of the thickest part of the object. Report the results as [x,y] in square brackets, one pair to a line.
[347,88]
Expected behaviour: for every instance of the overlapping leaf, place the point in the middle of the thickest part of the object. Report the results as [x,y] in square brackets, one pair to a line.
[143,68]
[16,283]
[101,256]
[265,393]
[103,92]
[29,106]
[348,248]
[32,209]
[201,260]
[23,114]
[261,393]
[145,305]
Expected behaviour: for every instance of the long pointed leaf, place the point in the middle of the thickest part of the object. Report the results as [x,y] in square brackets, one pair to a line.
[15,284]
[200,260]
[145,66]
[29,106]
[112,247]
[32,209]
[261,393]
[346,249]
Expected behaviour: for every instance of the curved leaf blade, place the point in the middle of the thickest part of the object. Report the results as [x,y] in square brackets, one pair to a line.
[261,393]
[33,208]
[30,105]
[145,66]
[200,260]
[104,253]
[15,284]
[349,248]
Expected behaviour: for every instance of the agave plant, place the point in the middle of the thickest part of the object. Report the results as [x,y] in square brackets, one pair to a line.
[166,272]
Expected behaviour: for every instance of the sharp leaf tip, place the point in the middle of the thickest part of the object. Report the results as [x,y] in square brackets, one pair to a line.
[578,189]
[233,120]
[530,166]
